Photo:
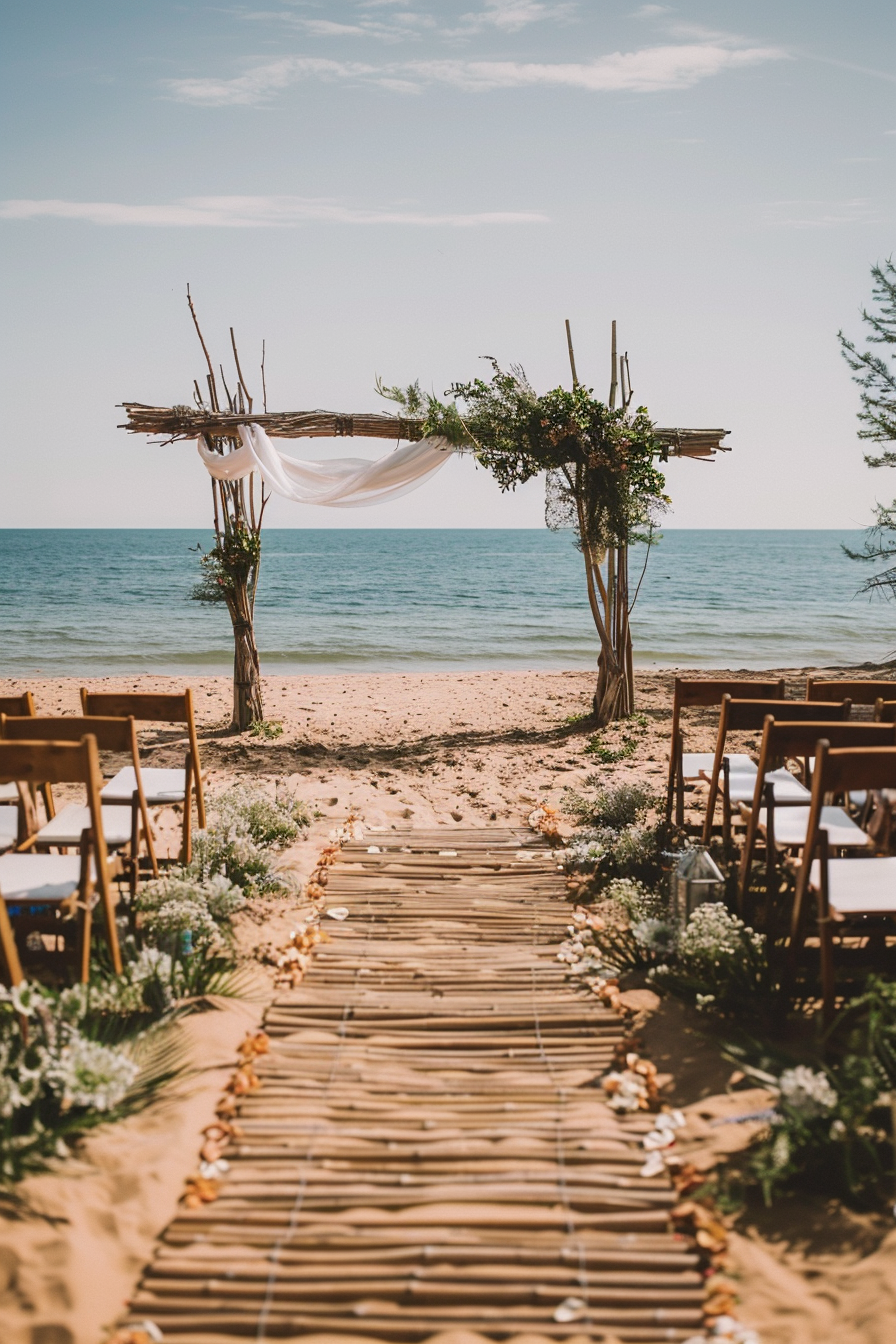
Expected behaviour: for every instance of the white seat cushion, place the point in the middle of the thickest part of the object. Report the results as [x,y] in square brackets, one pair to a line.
[857,886]
[9,793]
[67,825]
[9,827]
[791,824]
[38,877]
[159,786]
[787,788]
[696,763]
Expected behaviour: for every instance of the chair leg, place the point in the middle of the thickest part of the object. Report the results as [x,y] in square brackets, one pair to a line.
[679,782]
[85,931]
[726,801]
[8,944]
[771,851]
[187,846]
[825,937]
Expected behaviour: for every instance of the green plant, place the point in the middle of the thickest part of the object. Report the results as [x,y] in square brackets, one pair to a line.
[246,828]
[602,482]
[182,901]
[266,729]
[602,853]
[620,806]
[608,755]
[877,417]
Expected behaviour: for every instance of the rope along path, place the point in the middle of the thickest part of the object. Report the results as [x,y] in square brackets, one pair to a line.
[427,1153]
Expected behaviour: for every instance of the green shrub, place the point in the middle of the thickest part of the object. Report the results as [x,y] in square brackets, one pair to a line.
[616,807]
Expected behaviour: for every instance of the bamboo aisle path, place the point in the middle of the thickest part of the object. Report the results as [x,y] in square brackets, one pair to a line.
[428,1153]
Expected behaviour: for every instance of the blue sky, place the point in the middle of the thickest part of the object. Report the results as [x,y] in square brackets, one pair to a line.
[376,186]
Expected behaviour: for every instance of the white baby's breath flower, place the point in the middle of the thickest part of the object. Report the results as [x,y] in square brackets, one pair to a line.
[806,1092]
[86,1073]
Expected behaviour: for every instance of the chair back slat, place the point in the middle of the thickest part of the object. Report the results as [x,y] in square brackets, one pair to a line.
[147,708]
[17,704]
[799,739]
[110,734]
[743,715]
[859,692]
[692,691]
[846,769]
[47,762]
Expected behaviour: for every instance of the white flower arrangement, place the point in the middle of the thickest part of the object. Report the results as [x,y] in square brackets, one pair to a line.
[583,853]
[268,822]
[713,936]
[806,1092]
[88,1074]
[179,915]
[55,1060]
[655,935]
[180,900]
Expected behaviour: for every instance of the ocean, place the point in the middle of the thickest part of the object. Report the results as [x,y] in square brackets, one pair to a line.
[86,602]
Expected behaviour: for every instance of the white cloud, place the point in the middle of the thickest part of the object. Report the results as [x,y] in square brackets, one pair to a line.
[250,212]
[261,81]
[821,214]
[651,11]
[395,28]
[510,16]
[650,70]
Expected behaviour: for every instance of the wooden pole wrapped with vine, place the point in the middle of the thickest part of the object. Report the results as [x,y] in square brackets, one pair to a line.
[231,567]
[602,481]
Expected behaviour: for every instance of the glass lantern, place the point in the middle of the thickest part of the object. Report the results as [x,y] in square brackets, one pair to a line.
[694,880]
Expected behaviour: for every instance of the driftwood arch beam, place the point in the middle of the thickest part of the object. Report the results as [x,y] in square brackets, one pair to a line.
[175,422]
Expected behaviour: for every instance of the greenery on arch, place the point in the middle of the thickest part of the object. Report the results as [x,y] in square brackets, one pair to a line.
[603,480]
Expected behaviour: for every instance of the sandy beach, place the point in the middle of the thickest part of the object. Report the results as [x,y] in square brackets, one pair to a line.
[427,750]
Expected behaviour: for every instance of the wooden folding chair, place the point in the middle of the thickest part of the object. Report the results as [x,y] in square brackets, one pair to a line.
[122,824]
[703,692]
[884,710]
[738,785]
[163,788]
[858,691]
[21,705]
[847,891]
[37,890]
[785,828]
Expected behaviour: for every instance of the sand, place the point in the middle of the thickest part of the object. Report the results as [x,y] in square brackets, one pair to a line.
[425,749]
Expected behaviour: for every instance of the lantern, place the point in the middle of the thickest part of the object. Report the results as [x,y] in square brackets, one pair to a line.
[695,879]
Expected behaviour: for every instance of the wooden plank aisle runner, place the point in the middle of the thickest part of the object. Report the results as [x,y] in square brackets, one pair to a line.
[428,1152]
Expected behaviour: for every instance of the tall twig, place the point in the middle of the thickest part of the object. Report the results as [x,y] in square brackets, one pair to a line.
[613,366]
[264,390]
[572,358]
[208,359]
[239,372]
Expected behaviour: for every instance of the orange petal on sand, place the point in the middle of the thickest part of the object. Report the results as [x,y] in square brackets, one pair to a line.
[200,1190]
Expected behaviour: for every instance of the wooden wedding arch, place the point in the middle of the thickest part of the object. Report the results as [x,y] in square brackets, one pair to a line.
[239,510]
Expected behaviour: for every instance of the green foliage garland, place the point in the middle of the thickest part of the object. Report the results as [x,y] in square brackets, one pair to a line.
[601,462]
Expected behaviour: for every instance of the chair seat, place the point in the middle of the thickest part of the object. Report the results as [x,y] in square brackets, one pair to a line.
[695,763]
[856,886]
[9,793]
[159,786]
[787,788]
[39,877]
[9,827]
[791,824]
[67,825]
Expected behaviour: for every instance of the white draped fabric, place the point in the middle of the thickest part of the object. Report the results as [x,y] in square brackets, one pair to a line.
[341,482]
